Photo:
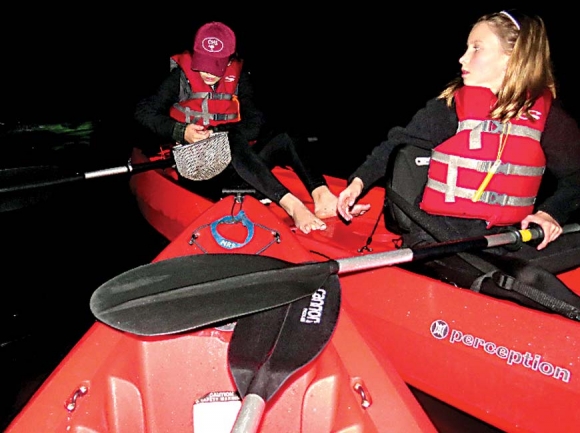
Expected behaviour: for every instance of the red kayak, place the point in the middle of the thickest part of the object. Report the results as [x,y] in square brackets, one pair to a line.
[116,381]
[170,208]
[513,367]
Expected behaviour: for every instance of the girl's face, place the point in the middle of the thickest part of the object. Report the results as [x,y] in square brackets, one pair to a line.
[484,62]
[208,78]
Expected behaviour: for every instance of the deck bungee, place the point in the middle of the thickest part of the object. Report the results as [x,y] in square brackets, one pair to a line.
[115,381]
[511,366]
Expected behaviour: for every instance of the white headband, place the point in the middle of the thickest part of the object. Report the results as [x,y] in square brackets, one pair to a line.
[513,20]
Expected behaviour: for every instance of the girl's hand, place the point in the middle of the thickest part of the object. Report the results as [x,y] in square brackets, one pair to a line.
[552,230]
[346,200]
[195,133]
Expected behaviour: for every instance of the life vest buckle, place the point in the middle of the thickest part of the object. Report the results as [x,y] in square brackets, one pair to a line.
[492,197]
[492,126]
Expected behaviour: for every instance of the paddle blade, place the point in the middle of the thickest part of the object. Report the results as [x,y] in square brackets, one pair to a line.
[14,193]
[252,341]
[190,292]
[24,186]
[305,332]
[306,329]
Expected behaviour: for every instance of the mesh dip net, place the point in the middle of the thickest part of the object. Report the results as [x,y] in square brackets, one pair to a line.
[203,159]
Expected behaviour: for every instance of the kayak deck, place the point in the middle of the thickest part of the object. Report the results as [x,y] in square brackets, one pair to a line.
[170,208]
[181,384]
[117,382]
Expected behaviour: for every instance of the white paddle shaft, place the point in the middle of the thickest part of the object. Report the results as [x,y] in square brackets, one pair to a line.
[250,414]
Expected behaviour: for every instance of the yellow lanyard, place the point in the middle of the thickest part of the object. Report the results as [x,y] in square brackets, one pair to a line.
[502,141]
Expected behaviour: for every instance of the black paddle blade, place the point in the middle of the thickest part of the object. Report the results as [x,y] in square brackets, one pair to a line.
[185,293]
[307,328]
[252,341]
[13,182]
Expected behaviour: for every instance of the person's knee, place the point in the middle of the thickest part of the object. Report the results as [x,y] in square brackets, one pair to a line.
[283,141]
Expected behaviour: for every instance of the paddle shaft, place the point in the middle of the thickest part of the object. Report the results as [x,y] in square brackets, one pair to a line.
[251,354]
[250,414]
[128,168]
[406,255]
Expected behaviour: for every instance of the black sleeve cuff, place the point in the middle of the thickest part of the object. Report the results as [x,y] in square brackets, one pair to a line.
[178,133]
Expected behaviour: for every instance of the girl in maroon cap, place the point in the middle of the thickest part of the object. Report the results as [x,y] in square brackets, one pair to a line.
[208,91]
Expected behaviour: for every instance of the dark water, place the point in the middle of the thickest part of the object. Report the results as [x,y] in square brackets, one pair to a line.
[55,254]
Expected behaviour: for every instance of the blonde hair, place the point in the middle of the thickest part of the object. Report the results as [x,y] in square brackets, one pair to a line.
[529,70]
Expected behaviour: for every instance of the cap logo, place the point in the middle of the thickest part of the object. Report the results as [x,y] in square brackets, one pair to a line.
[212,44]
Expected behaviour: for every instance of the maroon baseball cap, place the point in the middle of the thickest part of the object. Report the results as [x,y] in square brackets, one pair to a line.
[213,45]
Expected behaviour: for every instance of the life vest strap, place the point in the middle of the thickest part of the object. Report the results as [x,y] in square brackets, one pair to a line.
[489,197]
[485,166]
[494,127]
[192,116]
[212,95]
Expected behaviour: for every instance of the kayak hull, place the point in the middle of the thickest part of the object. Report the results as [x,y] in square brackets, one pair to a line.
[513,368]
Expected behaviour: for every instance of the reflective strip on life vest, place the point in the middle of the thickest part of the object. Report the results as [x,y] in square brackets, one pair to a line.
[192,115]
[453,162]
[212,95]
[489,197]
[484,166]
[494,127]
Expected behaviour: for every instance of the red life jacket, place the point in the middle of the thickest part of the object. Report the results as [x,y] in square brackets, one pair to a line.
[200,103]
[464,163]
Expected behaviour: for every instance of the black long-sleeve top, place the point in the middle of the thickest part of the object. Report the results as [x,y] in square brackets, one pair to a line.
[153,113]
[437,122]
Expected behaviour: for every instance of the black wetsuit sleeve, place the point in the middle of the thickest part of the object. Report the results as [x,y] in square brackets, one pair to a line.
[561,144]
[429,127]
[152,112]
